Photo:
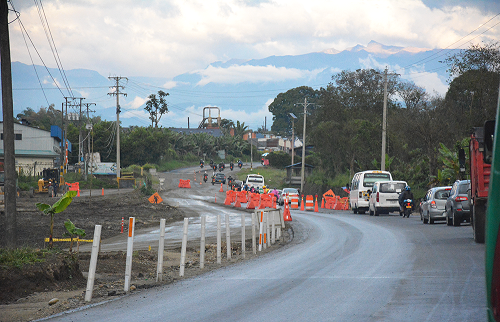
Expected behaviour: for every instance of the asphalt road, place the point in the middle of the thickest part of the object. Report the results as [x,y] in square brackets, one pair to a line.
[339,267]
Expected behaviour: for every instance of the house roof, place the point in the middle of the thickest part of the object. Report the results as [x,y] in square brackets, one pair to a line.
[299,165]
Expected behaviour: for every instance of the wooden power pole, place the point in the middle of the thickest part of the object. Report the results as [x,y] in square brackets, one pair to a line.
[10,189]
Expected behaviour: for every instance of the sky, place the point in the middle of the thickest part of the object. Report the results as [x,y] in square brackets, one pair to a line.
[170,37]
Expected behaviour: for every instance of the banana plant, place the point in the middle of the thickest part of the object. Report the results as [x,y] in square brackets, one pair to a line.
[56,208]
[73,231]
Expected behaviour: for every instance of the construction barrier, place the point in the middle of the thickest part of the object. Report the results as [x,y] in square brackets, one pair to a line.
[73,186]
[241,197]
[294,202]
[230,197]
[330,202]
[253,201]
[184,183]
[309,203]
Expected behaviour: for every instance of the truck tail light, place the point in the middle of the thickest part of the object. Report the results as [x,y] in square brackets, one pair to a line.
[460,198]
[495,281]
[378,197]
[433,204]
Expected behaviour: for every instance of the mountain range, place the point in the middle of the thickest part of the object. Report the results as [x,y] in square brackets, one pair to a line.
[242,89]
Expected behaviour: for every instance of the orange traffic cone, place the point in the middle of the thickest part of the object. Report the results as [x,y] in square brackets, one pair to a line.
[316,204]
[322,202]
[78,194]
[237,203]
[215,198]
[102,192]
[302,203]
[286,214]
[221,188]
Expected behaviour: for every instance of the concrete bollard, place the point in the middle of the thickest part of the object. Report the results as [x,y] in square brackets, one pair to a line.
[130,250]
[266,229]
[93,263]
[183,247]
[228,238]
[161,247]
[202,242]
[273,230]
[254,244]
[261,229]
[219,240]
[243,235]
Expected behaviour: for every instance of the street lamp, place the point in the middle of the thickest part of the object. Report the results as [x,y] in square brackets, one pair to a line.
[293,139]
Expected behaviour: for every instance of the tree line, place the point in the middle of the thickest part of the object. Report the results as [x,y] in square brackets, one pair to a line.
[424,131]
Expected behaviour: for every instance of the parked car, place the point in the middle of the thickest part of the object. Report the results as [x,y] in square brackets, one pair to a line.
[219,177]
[433,204]
[286,193]
[384,197]
[457,205]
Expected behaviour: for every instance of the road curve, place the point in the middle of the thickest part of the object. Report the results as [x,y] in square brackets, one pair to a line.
[339,267]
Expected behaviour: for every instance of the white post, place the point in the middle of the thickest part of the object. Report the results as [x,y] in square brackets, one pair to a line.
[266,229]
[273,231]
[254,246]
[130,250]
[261,230]
[183,247]
[202,242]
[228,238]
[219,240]
[93,263]
[243,235]
[161,247]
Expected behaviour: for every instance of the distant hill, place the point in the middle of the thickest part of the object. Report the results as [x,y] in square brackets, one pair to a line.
[241,88]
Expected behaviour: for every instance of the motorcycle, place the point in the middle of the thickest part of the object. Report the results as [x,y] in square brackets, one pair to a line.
[221,167]
[202,165]
[205,177]
[231,166]
[214,167]
[240,164]
[407,207]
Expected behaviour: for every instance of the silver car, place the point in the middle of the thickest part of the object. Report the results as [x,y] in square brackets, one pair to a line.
[434,203]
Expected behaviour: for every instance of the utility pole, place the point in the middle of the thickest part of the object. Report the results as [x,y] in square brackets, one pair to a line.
[302,174]
[117,93]
[87,160]
[10,189]
[293,138]
[384,121]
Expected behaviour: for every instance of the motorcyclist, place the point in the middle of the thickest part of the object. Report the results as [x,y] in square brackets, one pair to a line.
[205,176]
[202,163]
[231,165]
[240,163]
[406,194]
[211,162]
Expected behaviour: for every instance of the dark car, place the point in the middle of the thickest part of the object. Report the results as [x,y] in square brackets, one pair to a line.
[457,205]
[219,178]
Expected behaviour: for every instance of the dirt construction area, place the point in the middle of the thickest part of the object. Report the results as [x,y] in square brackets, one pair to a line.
[58,283]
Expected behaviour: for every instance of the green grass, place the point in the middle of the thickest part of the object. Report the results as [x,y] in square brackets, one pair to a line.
[273,178]
[21,256]
[176,164]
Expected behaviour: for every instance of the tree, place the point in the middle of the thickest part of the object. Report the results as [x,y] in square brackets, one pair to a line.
[286,103]
[476,57]
[156,107]
[240,129]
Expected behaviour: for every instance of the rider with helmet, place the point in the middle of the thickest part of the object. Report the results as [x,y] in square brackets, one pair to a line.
[406,194]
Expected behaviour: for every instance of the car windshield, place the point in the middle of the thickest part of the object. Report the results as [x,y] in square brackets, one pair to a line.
[442,194]
[392,187]
[290,190]
[255,179]
[371,178]
[219,175]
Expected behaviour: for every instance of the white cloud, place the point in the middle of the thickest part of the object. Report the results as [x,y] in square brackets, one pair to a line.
[253,74]
[137,102]
[167,38]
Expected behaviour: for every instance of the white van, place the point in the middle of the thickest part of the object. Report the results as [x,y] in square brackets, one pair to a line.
[361,183]
[254,180]
[384,197]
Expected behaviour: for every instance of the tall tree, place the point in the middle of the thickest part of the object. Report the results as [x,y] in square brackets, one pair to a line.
[476,57]
[156,107]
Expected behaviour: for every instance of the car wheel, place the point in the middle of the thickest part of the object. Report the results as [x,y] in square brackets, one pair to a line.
[455,220]
[354,210]
[431,221]
[370,212]
[376,212]
[425,220]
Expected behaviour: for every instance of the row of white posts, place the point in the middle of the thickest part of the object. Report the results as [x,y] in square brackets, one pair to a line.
[270,223]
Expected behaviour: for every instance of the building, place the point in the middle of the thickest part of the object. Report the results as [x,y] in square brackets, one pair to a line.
[35,149]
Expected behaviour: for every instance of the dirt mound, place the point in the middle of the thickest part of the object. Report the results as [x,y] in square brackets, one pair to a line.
[56,272]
